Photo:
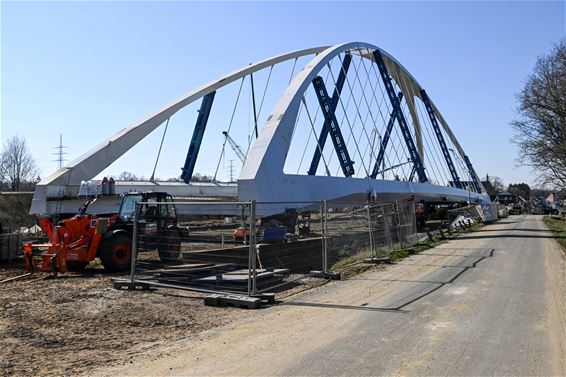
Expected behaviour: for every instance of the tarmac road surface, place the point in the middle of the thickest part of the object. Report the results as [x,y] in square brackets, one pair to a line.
[492,302]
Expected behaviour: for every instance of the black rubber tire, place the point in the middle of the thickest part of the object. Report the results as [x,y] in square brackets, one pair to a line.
[115,252]
[169,245]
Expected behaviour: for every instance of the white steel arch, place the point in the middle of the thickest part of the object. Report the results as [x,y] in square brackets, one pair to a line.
[262,177]
[65,182]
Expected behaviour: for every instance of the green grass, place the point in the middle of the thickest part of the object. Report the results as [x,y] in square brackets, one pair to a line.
[354,264]
[558,226]
[356,258]
[418,248]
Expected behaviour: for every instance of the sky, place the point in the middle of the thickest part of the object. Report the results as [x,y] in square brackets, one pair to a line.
[88,69]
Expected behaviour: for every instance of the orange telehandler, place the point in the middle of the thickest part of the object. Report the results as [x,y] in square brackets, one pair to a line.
[76,241]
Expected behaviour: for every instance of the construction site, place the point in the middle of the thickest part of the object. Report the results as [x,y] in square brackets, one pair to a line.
[352,171]
[60,307]
[98,250]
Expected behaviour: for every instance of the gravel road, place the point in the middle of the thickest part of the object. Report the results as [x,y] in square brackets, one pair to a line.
[492,302]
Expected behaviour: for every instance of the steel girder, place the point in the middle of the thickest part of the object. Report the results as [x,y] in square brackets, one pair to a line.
[198,134]
[326,127]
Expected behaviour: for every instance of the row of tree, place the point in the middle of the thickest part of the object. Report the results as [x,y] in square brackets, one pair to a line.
[128,176]
[518,189]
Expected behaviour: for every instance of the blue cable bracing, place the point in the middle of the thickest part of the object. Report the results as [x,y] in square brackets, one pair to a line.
[428,149]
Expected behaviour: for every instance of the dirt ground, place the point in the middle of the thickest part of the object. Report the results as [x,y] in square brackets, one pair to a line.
[70,324]
[65,326]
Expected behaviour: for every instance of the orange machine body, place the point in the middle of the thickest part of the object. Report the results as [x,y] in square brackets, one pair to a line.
[74,240]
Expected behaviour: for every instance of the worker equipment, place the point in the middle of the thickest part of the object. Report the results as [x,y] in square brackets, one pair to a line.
[76,241]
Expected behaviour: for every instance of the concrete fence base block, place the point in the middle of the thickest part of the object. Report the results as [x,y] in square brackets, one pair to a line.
[326,275]
[242,302]
[131,285]
[268,298]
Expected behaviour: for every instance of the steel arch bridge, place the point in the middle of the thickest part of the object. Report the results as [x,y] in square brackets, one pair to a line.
[388,140]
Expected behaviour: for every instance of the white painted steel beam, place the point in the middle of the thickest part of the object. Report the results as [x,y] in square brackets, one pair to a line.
[68,179]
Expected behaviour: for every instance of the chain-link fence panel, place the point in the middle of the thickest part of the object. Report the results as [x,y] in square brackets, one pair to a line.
[256,247]
[196,251]
[355,232]
[347,232]
[10,246]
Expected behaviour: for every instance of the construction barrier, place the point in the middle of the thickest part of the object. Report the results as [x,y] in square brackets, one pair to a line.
[10,246]
[260,248]
[363,232]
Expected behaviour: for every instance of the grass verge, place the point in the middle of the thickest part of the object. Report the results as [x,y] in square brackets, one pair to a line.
[354,265]
[418,248]
[558,226]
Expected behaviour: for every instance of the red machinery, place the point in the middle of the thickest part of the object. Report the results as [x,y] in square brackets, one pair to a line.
[76,241]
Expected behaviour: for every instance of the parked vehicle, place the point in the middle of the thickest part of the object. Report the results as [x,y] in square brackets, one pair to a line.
[75,242]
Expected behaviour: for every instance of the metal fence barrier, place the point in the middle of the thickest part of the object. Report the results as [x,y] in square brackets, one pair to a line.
[356,232]
[256,248]
[10,246]
[198,252]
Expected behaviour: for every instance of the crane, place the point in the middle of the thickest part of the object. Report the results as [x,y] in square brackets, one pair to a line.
[235,147]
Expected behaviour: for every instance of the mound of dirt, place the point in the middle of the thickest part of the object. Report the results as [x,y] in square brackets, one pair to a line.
[14,209]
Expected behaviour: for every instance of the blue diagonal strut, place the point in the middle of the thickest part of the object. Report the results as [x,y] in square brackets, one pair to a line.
[385,141]
[441,141]
[415,158]
[326,128]
[473,174]
[198,134]
[336,135]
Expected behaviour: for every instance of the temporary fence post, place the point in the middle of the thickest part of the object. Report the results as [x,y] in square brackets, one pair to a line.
[134,243]
[253,250]
[413,223]
[399,237]
[243,220]
[322,249]
[371,248]
[387,230]
[250,250]
[325,238]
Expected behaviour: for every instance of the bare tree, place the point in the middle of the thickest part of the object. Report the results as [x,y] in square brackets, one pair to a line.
[18,169]
[540,129]
[496,184]
[129,176]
